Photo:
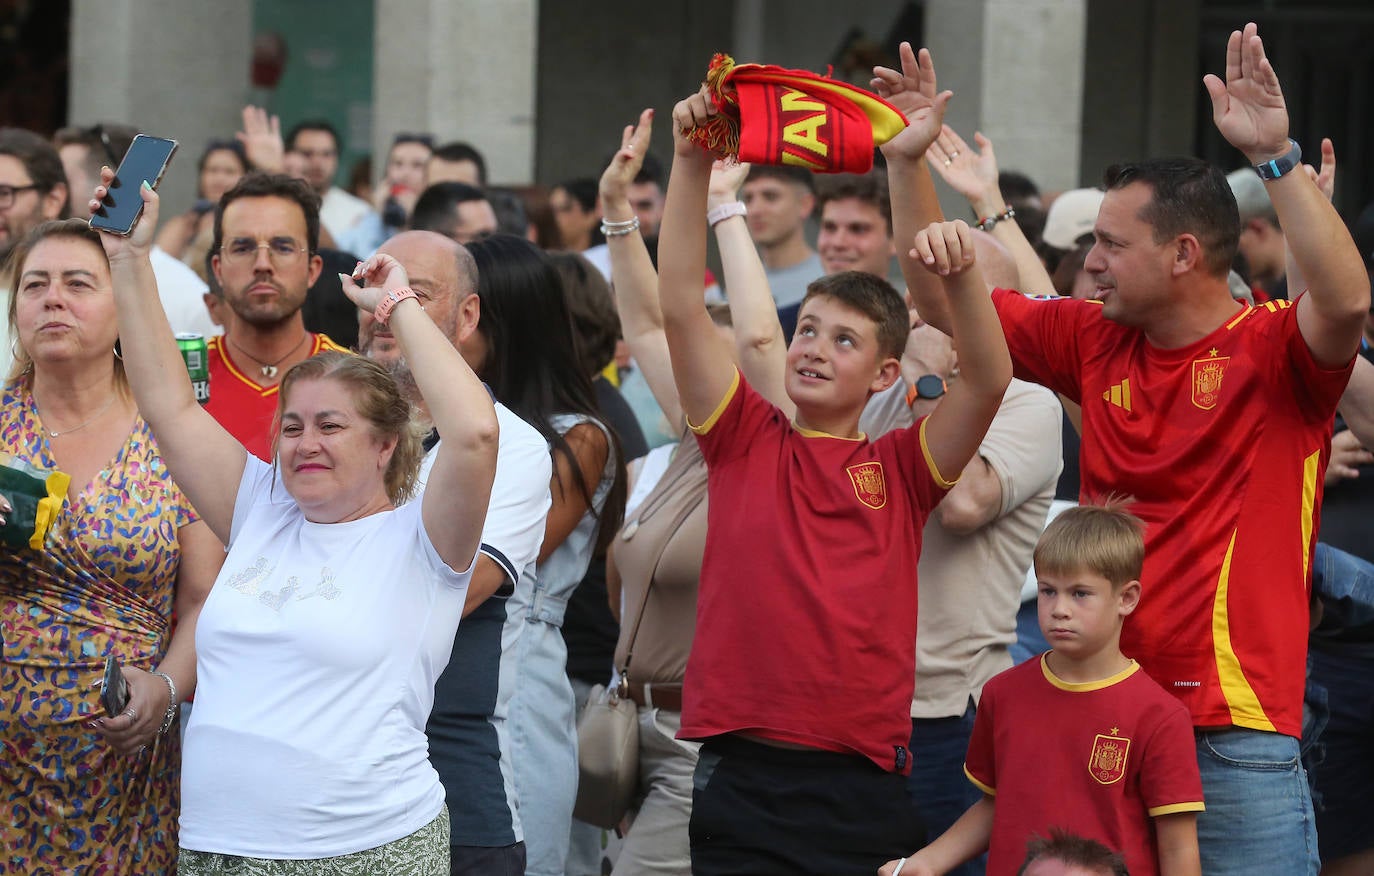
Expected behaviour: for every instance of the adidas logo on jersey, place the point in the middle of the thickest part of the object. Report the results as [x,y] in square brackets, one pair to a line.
[1119,395]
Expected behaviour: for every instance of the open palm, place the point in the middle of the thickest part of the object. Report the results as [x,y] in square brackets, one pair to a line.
[913,91]
[1248,108]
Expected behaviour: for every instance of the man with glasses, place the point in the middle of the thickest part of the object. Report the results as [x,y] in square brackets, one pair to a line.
[33,190]
[83,151]
[316,145]
[264,257]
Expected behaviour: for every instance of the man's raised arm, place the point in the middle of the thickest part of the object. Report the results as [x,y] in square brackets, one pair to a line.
[1250,112]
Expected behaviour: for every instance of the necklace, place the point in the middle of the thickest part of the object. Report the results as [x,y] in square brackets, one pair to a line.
[269,369]
[54,433]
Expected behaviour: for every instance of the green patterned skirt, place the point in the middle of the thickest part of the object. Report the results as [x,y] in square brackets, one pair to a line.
[423,853]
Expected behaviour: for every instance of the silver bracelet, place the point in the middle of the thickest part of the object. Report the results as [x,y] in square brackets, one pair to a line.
[619,229]
[172,704]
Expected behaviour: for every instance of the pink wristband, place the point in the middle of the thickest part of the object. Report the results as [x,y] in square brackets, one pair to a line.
[382,313]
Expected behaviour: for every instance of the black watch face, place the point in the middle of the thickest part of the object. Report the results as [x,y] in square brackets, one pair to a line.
[930,386]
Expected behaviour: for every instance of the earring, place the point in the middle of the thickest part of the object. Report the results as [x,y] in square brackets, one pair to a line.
[118,354]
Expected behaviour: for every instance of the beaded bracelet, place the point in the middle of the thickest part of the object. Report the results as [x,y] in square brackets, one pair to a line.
[172,704]
[988,222]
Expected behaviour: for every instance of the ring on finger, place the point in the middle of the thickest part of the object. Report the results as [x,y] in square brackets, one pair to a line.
[954,154]
[948,162]
[132,713]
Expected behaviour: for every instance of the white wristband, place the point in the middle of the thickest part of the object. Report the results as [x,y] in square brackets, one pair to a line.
[721,212]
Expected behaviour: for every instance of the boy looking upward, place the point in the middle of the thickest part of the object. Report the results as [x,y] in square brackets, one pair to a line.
[801,671]
[1080,737]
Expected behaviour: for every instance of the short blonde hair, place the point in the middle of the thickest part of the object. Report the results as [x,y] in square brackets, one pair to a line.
[378,401]
[1104,539]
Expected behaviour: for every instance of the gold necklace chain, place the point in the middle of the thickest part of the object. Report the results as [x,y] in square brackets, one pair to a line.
[54,433]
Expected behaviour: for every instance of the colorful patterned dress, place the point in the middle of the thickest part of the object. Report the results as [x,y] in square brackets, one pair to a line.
[103,584]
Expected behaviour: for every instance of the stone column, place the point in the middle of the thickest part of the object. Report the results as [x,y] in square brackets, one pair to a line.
[462,69]
[171,68]
[1016,68]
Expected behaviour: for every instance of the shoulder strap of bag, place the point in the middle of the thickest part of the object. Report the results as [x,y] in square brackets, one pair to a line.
[679,517]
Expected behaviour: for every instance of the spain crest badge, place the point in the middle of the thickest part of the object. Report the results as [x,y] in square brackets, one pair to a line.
[1107,763]
[1207,375]
[869,486]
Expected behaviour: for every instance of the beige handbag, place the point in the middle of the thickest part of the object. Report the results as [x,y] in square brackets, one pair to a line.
[607,757]
[608,728]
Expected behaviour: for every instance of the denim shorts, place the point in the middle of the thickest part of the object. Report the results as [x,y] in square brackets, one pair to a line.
[1259,808]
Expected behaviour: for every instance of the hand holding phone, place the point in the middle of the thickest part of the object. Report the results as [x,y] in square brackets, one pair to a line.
[146,160]
[114,692]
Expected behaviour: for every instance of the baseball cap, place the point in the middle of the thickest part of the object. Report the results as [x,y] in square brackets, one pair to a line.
[1251,198]
[1071,215]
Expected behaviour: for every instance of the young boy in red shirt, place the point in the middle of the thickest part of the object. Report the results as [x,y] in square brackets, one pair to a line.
[800,676]
[1080,738]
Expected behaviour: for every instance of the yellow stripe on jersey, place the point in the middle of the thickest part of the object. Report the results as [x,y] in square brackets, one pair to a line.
[1244,706]
[986,789]
[1309,505]
[720,408]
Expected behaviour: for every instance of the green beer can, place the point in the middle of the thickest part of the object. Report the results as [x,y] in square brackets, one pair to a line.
[196,355]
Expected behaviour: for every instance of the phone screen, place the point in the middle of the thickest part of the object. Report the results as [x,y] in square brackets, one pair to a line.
[146,160]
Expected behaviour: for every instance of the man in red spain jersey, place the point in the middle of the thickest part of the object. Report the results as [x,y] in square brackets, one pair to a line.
[800,676]
[1080,736]
[1216,418]
[267,231]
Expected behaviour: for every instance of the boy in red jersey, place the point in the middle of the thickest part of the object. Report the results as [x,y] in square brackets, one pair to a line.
[1216,417]
[1080,737]
[800,676]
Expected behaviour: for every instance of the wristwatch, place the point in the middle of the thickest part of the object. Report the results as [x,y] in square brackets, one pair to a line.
[1281,165]
[928,386]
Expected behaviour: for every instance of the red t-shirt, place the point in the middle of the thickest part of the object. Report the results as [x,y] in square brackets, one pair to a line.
[806,613]
[244,407]
[1100,759]
[1223,445]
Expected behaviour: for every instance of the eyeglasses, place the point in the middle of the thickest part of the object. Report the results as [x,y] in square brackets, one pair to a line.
[8,194]
[282,250]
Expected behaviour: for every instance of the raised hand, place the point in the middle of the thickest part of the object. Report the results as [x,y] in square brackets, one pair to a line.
[968,171]
[726,178]
[380,274]
[140,240]
[261,139]
[628,159]
[687,114]
[1248,108]
[945,248]
[913,91]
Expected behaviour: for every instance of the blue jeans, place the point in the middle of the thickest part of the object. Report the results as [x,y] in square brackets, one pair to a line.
[938,787]
[1345,585]
[1259,809]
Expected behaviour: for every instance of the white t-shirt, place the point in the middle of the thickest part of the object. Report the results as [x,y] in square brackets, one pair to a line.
[182,292]
[520,497]
[316,655]
[340,211]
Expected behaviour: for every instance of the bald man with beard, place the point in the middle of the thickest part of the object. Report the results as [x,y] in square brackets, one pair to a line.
[975,551]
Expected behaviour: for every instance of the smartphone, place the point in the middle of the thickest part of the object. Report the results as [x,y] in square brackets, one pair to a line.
[146,159]
[114,693]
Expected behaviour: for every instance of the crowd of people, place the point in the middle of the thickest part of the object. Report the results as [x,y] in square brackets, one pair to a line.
[472,457]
